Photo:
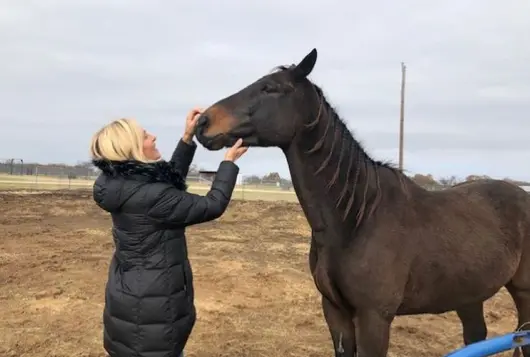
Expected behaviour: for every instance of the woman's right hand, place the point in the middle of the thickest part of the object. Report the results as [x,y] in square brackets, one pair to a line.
[236,151]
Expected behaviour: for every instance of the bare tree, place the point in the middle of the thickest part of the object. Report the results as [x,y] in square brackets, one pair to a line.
[448,181]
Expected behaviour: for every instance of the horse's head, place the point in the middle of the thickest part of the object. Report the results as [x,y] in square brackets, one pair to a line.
[268,112]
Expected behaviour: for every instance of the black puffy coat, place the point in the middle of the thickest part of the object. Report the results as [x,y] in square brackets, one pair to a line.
[149,299]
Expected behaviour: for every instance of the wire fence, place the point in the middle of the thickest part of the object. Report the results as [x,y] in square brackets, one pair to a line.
[15,174]
[18,167]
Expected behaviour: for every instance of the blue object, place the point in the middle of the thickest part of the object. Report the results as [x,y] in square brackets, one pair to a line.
[493,345]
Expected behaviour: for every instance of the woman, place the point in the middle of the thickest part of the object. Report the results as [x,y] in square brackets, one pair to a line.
[149,308]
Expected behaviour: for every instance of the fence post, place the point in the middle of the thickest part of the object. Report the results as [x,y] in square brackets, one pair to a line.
[36,177]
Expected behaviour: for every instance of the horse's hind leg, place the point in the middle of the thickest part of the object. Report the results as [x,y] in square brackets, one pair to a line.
[473,323]
[519,289]
[341,329]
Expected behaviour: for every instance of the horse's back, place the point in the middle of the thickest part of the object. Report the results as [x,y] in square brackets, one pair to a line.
[494,188]
[510,202]
[493,206]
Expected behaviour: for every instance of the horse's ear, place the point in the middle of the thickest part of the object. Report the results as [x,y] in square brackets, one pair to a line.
[306,65]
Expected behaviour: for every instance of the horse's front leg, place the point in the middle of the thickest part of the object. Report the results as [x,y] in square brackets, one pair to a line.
[372,333]
[341,328]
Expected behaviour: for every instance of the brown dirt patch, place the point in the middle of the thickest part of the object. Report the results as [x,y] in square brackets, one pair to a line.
[254,294]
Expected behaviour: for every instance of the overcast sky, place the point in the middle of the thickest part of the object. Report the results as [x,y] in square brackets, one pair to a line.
[69,66]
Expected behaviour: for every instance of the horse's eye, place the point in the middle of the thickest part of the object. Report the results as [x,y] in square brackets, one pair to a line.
[269,88]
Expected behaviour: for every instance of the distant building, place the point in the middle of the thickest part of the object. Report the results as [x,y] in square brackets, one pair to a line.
[209,176]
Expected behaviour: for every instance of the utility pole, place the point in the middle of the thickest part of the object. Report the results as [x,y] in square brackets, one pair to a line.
[402,115]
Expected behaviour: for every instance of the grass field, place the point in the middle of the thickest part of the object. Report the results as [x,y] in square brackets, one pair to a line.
[254,294]
[39,183]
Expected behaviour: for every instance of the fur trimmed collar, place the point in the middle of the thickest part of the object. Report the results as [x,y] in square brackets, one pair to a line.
[161,171]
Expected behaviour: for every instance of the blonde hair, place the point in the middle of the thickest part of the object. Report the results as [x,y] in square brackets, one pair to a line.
[119,140]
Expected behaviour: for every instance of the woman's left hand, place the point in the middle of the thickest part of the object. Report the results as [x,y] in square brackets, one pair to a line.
[191,124]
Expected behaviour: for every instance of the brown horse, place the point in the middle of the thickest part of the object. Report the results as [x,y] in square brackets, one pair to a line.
[381,245]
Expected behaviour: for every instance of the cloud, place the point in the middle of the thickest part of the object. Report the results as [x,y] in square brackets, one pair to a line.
[69,67]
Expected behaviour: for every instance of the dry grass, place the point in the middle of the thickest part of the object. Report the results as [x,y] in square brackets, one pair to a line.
[254,294]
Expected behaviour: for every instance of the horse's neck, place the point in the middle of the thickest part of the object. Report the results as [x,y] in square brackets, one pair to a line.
[336,198]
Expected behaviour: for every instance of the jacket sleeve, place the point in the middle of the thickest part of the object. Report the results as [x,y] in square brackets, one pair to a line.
[180,208]
[183,156]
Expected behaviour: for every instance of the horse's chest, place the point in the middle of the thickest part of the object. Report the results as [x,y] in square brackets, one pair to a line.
[326,266]
[321,270]
[360,274]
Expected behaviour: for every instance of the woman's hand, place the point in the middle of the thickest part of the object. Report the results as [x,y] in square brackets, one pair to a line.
[236,151]
[191,124]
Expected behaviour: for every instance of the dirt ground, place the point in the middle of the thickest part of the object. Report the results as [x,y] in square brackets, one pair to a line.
[254,294]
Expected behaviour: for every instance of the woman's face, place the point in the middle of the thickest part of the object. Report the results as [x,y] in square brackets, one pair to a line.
[150,150]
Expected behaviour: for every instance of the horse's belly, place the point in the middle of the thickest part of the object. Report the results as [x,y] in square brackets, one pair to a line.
[440,305]
[458,269]
[445,289]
